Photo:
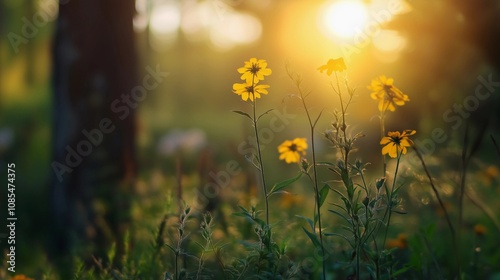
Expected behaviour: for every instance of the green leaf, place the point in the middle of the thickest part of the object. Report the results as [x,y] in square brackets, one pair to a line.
[313,238]
[283,184]
[340,215]
[253,159]
[317,118]
[243,114]
[243,209]
[339,193]
[347,204]
[326,163]
[404,269]
[397,189]
[112,251]
[171,248]
[265,113]
[339,206]
[309,221]
[244,215]
[339,235]
[323,194]
[260,222]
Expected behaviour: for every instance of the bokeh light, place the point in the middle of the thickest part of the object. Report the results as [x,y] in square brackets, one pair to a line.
[235,29]
[344,18]
[164,22]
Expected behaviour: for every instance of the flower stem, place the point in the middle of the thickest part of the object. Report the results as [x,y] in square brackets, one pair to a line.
[390,196]
[318,199]
[382,134]
[436,193]
[261,165]
[463,173]
[312,126]
[344,126]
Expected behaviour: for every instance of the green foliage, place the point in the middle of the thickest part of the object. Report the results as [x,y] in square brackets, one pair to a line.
[356,208]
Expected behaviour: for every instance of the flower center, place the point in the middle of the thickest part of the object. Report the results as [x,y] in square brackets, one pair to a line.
[390,93]
[249,89]
[293,147]
[396,140]
[255,68]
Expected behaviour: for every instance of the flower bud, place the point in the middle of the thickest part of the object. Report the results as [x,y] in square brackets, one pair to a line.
[366,201]
[379,183]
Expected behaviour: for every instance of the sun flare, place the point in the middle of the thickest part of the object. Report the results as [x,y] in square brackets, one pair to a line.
[345,18]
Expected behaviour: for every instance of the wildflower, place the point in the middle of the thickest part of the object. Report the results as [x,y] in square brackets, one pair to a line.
[289,200]
[21,277]
[337,65]
[249,91]
[400,242]
[480,230]
[254,70]
[489,174]
[396,142]
[290,150]
[387,94]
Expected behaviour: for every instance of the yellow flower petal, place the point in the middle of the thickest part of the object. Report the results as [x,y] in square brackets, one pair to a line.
[249,91]
[387,94]
[385,140]
[396,142]
[333,65]
[254,71]
[291,150]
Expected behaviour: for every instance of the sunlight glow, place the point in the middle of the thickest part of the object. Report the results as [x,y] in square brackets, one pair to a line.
[345,18]
[164,25]
[165,19]
[388,46]
[228,33]
[220,24]
[389,41]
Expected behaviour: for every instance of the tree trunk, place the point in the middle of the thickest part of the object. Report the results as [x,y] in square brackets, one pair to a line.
[94,164]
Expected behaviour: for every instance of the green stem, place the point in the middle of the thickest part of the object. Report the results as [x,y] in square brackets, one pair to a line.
[318,199]
[390,196]
[461,204]
[261,165]
[316,189]
[438,197]
[382,135]
[358,249]
[344,126]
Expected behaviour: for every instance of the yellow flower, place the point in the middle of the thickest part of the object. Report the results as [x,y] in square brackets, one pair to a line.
[249,91]
[401,242]
[337,65]
[254,70]
[290,150]
[21,277]
[387,94]
[291,200]
[396,142]
[480,230]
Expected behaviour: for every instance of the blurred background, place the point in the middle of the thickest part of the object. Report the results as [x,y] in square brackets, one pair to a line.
[435,51]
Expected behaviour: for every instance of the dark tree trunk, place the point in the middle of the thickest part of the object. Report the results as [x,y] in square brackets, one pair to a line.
[94,165]
[483,27]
